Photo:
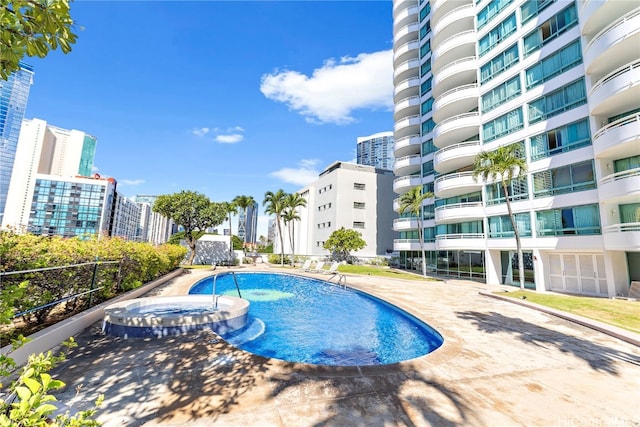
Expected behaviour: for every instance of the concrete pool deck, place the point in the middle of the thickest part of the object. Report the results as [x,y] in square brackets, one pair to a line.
[502,364]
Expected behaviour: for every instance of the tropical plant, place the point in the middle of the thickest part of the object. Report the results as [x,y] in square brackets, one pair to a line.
[504,164]
[342,241]
[33,28]
[274,204]
[290,216]
[411,201]
[244,202]
[230,208]
[193,211]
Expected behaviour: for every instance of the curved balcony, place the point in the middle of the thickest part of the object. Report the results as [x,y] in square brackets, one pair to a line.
[407,51]
[406,88]
[460,241]
[456,156]
[454,184]
[615,45]
[461,45]
[620,187]
[404,224]
[407,165]
[457,73]
[396,204]
[594,15]
[456,101]
[406,16]
[622,237]
[440,8]
[456,21]
[406,70]
[407,33]
[459,212]
[617,91]
[403,184]
[456,129]
[406,107]
[411,245]
[407,126]
[401,5]
[618,139]
[406,146]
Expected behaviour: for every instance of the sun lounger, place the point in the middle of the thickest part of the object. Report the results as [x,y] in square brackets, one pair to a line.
[305,266]
[333,269]
[318,268]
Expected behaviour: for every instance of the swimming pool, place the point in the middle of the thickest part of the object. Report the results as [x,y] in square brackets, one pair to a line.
[300,319]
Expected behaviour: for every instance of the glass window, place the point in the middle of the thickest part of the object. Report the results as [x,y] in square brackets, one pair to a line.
[425,29]
[425,68]
[428,147]
[626,164]
[491,11]
[428,126]
[358,186]
[497,35]
[425,86]
[425,48]
[560,140]
[518,189]
[358,224]
[503,125]
[500,226]
[499,63]
[425,11]
[553,65]
[565,98]
[531,8]
[501,94]
[580,220]
[565,179]
[550,29]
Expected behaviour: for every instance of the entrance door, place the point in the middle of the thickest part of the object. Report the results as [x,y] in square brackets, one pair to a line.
[578,273]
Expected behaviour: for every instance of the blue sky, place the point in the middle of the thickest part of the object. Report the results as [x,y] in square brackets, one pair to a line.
[225,98]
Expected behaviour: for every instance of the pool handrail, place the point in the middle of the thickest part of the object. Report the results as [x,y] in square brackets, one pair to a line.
[215,299]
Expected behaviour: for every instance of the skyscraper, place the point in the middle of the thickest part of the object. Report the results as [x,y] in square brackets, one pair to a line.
[376,150]
[561,79]
[14,93]
[247,225]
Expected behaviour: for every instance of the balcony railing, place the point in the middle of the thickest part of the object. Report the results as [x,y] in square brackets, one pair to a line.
[620,122]
[620,228]
[629,16]
[617,72]
[620,175]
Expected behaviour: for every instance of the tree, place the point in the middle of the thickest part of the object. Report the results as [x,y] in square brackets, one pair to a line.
[244,202]
[290,215]
[343,241]
[193,211]
[33,28]
[504,164]
[412,201]
[274,204]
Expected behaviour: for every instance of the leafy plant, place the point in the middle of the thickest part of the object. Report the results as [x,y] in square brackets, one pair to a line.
[342,241]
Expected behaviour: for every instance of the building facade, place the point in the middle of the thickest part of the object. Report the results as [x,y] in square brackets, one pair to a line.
[376,150]
[248,224]
[153,227]
[562,80]
[14,93]
[345,195]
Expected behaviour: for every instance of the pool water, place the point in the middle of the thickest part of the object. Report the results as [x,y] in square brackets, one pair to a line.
[300,319]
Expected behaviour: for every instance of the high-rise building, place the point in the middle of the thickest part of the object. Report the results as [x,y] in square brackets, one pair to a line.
[248,224]
[152,227]
[46,150]
[14,93]
[562,80]
[376,150]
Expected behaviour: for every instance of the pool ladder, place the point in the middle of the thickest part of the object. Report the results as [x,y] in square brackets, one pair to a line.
[215,296]
[342,280]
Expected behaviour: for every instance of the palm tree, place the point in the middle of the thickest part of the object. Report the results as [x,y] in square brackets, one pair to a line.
[230,208]
[504,164]
[274,204]
[412,201]
[290,215]
[244,202]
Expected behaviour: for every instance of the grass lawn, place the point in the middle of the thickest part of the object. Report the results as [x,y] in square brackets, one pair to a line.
[621,313]
[372,270]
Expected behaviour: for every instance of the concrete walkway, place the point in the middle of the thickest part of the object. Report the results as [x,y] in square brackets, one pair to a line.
[502,364]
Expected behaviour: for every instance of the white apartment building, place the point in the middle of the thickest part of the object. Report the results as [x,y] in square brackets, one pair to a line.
[345,195]
[153,227]
[562,80]
[376,150]
[126,218]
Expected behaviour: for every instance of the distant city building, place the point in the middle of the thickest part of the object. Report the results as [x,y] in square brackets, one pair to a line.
[376,150]
[345,195]
[272,230]
[14,93]
[71,206]
[152,227]
[247,226]
[126,219]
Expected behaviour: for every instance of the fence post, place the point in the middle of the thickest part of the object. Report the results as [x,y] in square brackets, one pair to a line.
[93,282]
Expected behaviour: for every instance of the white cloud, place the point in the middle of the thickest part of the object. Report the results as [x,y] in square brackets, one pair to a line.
[336,89]
[303,175]
[131,181]
[229,139]
[201,131]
